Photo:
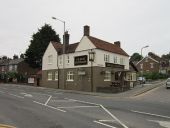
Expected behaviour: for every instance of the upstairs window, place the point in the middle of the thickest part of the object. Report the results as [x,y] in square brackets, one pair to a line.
[122,61]
[151,65]
[141,66]
[68,59]
[50,59]
[115,59]
[106,57]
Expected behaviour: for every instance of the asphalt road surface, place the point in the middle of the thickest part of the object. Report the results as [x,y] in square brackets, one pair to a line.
[31,107]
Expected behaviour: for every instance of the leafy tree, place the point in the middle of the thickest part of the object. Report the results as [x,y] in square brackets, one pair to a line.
[166,56]
[38,45]
[136,57]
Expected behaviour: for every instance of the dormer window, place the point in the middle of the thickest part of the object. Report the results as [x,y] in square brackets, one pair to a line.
[50,59]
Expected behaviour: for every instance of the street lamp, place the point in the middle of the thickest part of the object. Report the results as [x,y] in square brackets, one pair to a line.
[91,59]
[54,18]
[143,64]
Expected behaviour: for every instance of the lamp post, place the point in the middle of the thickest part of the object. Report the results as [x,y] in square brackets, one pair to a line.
[54,18]
[143,64]
[91,59]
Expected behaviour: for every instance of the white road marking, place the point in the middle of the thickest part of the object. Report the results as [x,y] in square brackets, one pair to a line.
[61,101]
[114,117]
[40,93]
[48,100]
[82,101]
[49,106]
[16,96]
[80,107]
[165,124]
[107,120]
[151,114]
[104,124]
[26,94]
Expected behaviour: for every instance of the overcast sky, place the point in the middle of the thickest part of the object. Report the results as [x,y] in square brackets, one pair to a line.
[135,23]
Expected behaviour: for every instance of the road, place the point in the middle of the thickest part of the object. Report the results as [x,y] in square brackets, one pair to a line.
[31,107]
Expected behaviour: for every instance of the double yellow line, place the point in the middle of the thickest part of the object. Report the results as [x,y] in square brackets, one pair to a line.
[6,126]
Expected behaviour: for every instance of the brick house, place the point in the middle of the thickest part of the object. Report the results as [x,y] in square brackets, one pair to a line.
[153,63]
[75,70]
[16,65]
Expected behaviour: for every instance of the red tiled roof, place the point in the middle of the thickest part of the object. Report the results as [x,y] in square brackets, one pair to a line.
[100,44]
[69,49]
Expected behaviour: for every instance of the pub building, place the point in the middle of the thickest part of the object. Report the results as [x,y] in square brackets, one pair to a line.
[89,65]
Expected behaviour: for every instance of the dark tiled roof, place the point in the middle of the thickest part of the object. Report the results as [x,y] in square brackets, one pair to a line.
[15,61]
[100,44]
[69,49]
[4,62]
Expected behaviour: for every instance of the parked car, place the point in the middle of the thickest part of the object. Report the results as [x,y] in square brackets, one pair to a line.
[168,83]
[141,80]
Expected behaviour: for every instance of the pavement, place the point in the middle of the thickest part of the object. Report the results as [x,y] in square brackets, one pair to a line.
[136,91]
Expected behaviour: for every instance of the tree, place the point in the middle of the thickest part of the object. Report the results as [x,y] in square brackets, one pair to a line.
[136,57]
[166,56]
[38,45]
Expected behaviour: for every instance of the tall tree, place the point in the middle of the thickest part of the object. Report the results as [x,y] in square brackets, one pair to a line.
[166,56]
[38,45]
[136,57]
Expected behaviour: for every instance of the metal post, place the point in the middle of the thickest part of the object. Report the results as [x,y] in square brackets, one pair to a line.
[63,50]
[143,64]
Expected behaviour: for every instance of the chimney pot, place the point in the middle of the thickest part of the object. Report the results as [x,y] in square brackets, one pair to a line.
[117,43]
[86,30]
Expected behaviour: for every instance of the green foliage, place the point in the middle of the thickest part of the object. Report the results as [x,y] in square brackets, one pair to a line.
[38,45]
[166,56]
[154,76]
[136,57]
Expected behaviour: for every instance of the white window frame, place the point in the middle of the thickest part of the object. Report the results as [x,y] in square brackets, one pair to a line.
[50,59]
[10,67]
[60,60]
[141,66]
[107,76]
[68,59]
[106,58]
[151,65]
[49,76]
[70,76]
[56,75]
[115,59]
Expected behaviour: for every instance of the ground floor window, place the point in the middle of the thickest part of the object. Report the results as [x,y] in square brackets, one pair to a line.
[56,75]
[50,75]
[70,76]
[107,76]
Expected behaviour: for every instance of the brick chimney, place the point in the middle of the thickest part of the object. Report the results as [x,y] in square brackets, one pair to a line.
[86,30]
[67,36]
[117,43]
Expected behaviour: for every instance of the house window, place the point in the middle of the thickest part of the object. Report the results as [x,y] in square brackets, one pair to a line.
[107,76]
[122,61]
[141,66]
[50,59]
[3,69]
[70,76]
[146,59]
[115,59]
[56,75]
[10,67]
[151,65]
[50,75]
[68,59]
[15,67]
[106,57]
[60,60]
